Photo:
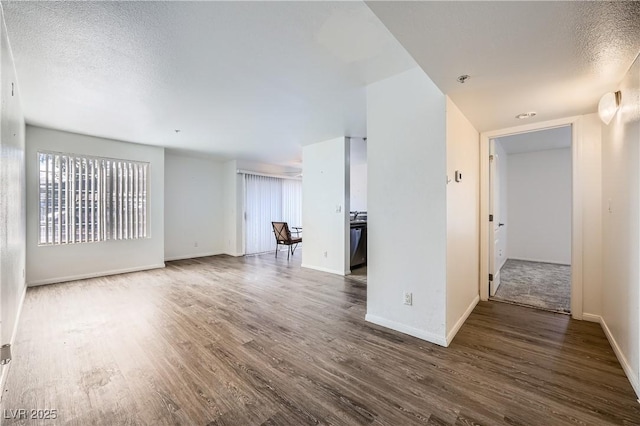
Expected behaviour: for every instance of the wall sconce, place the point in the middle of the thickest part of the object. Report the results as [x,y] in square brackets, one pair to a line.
[609,105]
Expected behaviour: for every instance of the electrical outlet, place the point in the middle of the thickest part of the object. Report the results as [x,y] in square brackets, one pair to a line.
[195,244]
[325,254]
[408,298]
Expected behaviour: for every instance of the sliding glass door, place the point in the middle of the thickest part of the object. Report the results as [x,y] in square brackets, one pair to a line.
[269,199]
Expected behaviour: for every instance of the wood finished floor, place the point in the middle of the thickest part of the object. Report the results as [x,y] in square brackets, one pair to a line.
[260,341]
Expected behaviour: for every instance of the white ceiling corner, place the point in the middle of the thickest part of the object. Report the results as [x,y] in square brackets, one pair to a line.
[556,58]
[250,80]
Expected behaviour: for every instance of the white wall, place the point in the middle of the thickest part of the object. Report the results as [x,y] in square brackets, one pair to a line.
[274,169]
[358,195]
[193,207]
[49,264]
[503,212]
[358,172]
[591,172]
[539,206]
[12,198]
[325,206]
[463,219]
[621,230]
[407,231]
[232,195]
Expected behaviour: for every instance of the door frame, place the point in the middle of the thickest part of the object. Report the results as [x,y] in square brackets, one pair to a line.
[576,203]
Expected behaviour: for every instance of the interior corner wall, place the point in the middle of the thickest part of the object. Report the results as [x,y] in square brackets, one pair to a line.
[591,176]
[539,206]
[232,194]
[65,262]
[358,175]
[12,198]
[463,219]
[407,207]
[358,190]
[621,227]
[325,206]
[193,210]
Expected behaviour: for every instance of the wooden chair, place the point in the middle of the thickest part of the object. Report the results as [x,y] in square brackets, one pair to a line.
[283,237]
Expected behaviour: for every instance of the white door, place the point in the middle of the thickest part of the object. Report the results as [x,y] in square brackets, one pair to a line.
[495,226]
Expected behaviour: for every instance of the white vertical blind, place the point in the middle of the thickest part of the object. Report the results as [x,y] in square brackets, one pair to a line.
[292,202]
[84,199]
[269,199]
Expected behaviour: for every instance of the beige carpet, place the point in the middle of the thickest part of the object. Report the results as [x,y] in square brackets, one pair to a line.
[541,285]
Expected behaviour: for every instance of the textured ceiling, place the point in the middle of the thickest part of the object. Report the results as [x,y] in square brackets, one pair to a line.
[252,80]
[256,80]
[559,137]
[555,58]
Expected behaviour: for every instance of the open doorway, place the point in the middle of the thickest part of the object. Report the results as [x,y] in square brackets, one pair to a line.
[358,208]
[530,207]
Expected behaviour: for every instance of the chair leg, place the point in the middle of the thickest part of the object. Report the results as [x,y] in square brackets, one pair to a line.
[276,250]
[288,251]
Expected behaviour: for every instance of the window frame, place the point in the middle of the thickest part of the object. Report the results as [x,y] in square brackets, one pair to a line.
[147,199]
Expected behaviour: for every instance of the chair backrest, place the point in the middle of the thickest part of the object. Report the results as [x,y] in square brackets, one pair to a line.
[281,231]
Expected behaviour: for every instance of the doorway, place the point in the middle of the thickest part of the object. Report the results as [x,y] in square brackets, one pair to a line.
[358,208]
[530,178]
[578,180]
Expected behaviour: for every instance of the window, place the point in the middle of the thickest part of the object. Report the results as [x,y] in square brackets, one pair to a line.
[85,199]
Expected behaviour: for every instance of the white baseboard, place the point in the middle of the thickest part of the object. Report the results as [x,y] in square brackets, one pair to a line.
[462,319]
[233,254]
[403,328]
[5,368]
[494,289]
[628,371]
[94,275]
[192,256]
[591,317]
[321,269]
[503,262]
[540,261]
